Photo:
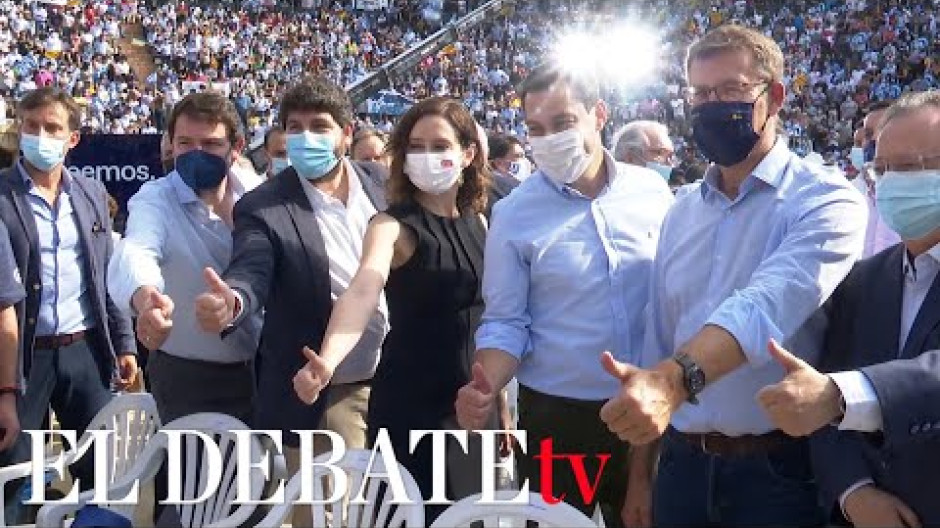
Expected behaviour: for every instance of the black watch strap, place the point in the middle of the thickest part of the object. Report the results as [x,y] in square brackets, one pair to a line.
[693,377]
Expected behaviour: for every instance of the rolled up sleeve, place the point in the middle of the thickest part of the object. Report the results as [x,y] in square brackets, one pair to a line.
[506,320]
[136,260]
[817,252]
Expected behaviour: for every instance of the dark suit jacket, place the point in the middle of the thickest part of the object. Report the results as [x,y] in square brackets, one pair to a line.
[90,201]
[279,263]
[904,459]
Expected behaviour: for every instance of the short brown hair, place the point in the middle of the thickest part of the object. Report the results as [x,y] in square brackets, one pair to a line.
[317,94]
[584,87]
[476,178]
[48,95]
[208,107]
[766,54]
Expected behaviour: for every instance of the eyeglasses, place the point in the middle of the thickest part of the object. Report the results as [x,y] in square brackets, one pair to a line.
[910,164]
[729,91]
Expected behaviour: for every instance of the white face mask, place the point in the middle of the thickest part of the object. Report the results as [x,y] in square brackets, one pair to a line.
[561,156]
[433,172]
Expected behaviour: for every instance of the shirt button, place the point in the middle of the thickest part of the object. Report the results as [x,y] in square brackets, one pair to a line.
[36,286]
[31,320]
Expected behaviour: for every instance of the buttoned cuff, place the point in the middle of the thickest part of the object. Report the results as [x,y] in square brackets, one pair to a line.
[860,484]
[862,409]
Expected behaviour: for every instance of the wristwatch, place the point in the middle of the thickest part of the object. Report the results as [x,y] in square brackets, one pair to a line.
[693,377]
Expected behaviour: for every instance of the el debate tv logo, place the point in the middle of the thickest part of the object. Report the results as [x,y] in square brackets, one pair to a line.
[382,464]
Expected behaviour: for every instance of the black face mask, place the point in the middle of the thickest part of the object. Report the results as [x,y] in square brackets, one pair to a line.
[201,170]
[724,131]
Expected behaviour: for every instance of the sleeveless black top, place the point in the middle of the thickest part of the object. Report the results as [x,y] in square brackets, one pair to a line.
[435,304]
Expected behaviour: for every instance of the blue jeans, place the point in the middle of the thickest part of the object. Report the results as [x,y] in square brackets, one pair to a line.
[694,488]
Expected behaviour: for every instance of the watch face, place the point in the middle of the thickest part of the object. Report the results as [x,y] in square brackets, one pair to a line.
[696,380]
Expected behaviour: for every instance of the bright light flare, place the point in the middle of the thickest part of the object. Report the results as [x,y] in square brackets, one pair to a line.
[624,56]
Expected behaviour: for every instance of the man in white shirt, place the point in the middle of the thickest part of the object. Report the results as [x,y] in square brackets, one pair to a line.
[298,243]
[878,462]
[177,226]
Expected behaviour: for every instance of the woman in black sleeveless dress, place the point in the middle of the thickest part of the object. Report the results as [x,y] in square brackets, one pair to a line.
[426,251]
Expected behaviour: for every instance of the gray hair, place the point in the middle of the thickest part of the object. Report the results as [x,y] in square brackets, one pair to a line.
[632,136]
[910,103]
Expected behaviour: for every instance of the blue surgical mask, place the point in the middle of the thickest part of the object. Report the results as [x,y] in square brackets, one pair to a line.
[664,170]
[724,131]
[312,155]
[857,157]
[42,152]
[278,165]
[201,170]
[909,202]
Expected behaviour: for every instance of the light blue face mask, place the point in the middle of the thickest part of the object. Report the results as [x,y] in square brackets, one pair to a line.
[909,202]
[311,154]
[42,152]
[664,170]
[278,165]
[857,157]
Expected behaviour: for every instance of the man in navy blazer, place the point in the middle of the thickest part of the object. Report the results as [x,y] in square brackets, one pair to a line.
[876,418]
[76,345]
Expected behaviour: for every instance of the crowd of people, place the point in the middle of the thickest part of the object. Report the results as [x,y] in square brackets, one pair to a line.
[846,55]
[387,280]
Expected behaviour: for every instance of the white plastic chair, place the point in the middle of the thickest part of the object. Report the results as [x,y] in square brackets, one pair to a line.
[378,510]
[134,419]
[218,510]
[467,511]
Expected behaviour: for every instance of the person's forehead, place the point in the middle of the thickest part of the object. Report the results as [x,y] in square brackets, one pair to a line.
[721,67]
[917,133]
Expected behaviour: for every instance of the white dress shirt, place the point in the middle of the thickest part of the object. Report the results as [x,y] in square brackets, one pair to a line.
[171,237]
[343,227]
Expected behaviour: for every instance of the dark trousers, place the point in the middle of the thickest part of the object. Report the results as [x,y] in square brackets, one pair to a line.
[575,428]
[183,386]
[70,380]
[694,488]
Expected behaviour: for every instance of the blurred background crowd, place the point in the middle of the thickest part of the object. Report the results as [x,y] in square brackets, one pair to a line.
[129,61]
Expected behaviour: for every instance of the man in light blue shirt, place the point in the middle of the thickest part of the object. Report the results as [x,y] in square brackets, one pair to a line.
[746,257]
[177,226]
[567,269]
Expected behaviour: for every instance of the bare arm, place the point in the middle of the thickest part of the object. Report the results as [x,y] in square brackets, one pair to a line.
[354,309]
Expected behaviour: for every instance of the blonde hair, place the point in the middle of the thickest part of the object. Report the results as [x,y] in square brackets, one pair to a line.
[766,54]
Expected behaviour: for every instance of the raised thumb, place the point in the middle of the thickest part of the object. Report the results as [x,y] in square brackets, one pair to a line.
[480,381]
[311,356]
[615,368]
[788,361]
[215,283]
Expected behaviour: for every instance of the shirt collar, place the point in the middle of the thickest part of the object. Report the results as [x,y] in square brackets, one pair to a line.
[770,170]
[910,267]
[184,193]
[28,180]
[324,200]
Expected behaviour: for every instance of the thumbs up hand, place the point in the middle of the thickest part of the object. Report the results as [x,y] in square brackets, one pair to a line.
[641,411]
[804,401]
[475,400]
[154,319]
[313,377]
[215,309]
